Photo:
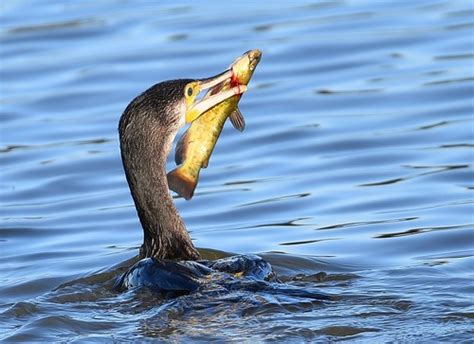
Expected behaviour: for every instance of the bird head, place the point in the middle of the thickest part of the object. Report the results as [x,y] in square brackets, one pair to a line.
[195,107]
[170,104]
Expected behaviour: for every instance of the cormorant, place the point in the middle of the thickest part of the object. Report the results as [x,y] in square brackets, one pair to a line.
[170,264]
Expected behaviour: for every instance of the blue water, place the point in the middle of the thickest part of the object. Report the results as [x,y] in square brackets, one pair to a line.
[353,176]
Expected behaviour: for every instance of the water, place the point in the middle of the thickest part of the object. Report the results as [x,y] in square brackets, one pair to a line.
[353,177]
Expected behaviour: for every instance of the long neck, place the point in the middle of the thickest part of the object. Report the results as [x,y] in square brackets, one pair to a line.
[144,160]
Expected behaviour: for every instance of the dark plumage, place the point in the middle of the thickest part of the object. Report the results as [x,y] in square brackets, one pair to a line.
[147,129]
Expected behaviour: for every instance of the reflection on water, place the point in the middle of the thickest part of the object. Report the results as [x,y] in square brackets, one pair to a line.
[353,176]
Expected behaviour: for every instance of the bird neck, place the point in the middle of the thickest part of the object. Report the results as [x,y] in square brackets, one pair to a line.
[164,233]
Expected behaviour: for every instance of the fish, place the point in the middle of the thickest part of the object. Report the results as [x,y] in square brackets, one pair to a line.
[195,147]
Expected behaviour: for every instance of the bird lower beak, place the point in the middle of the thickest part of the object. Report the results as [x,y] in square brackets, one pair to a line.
[201,106]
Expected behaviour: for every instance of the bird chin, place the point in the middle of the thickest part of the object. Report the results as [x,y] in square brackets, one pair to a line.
[182,115]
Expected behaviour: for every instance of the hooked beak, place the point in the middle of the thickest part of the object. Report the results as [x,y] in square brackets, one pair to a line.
[201,106]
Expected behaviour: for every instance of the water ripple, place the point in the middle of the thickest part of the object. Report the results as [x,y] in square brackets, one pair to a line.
[359,128]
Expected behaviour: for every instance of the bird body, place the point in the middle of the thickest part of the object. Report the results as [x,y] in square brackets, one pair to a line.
[169,263]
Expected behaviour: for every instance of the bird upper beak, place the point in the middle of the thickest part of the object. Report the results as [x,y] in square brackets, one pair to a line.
[201,106]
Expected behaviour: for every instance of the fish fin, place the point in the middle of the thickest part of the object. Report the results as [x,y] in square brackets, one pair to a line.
[181,183]
[237,120]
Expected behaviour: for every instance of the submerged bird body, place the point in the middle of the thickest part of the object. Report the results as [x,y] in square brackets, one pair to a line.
[196,145]
[181,277]
[210,277]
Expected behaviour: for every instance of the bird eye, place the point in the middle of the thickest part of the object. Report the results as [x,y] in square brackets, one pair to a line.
[190,91]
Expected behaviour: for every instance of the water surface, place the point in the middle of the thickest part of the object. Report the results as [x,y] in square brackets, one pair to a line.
[353,176]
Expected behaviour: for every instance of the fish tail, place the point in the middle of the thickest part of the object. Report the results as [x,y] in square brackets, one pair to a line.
[182,183]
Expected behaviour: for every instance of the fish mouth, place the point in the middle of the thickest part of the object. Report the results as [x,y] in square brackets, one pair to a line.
[246,63]
[253,56]
[216,93]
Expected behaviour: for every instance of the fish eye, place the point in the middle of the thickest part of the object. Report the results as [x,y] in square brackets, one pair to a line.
[189,91]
